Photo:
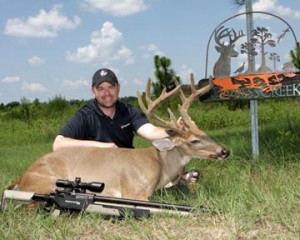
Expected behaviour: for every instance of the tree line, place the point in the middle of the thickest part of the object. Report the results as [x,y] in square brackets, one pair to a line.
[27,111]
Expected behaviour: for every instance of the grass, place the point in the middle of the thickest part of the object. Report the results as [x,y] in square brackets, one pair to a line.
[245,198]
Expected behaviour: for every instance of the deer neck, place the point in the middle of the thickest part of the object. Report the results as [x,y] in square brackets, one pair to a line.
[172,165]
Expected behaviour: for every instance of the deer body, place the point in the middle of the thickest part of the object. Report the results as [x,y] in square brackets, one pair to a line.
[129,173]
[124,171]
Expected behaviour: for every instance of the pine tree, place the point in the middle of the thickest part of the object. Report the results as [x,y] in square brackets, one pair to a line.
[295,55]
[164,74]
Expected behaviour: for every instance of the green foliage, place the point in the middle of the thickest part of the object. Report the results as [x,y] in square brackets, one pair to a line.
[56,108]
[131,100]
[239,2]
[57,105]
[295,55]
[164,74]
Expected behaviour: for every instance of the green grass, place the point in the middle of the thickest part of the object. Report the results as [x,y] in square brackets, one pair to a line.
[245,198]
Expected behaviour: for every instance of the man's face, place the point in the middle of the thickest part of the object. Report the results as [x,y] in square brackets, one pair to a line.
[106,94]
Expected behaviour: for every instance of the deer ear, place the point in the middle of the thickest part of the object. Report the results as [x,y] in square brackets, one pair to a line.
[163,144]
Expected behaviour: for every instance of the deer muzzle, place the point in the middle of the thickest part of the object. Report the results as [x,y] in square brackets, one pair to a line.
[222,155]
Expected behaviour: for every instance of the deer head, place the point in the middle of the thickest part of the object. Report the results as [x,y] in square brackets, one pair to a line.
[222,67]
[184,133]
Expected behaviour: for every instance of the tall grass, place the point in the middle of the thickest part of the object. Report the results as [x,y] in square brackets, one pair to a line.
[244,198]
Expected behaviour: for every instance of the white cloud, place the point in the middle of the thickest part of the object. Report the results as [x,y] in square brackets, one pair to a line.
[151,50]
[115,7]
[76,83]
[105,46]
[43,25]
[36,61]
[124,54]
[138,82]
[11,79]
[273,6]
[185,74]
[34,87]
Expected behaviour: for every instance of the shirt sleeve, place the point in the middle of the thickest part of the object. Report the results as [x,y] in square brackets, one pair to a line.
[75,127]
[138,118]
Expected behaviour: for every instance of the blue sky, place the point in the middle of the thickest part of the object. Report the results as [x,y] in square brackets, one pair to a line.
[52,48]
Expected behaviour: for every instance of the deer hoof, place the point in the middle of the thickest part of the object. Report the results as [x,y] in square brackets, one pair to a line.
[192,176]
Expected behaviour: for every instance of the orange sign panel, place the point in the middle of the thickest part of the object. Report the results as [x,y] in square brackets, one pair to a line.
[254,86]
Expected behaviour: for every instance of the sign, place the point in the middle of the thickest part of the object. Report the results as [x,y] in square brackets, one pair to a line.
[253,86]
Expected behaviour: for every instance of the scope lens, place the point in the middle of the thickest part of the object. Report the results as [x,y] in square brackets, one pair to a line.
[95,186]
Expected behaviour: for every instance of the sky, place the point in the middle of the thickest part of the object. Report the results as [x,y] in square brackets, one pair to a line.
[52,48]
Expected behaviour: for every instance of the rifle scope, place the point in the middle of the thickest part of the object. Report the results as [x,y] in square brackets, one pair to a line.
[79,186]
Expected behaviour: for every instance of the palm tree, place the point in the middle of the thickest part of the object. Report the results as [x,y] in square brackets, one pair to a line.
[239,2]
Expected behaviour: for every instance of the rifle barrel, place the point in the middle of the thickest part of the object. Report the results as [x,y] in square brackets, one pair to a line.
[126,201]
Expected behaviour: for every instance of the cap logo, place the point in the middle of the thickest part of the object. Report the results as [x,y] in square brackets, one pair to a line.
[103,73]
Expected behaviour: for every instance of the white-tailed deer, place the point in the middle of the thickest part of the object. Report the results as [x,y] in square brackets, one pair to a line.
[129,173]
[222,67]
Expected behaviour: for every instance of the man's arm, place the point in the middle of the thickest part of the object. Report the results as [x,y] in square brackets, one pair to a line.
[151,132]
[62,142]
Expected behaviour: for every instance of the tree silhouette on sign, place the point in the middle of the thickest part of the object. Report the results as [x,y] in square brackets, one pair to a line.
[248,48]
[275,58]
[261,37]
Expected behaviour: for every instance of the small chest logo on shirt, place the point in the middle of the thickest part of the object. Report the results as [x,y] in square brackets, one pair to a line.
[125,125]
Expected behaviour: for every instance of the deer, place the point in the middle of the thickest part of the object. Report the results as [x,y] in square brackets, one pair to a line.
[130,173]
[222,67]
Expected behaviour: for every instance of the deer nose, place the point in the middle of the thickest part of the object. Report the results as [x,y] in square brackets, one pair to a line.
[225,153]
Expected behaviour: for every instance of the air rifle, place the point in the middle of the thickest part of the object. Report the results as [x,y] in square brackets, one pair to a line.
[72,197]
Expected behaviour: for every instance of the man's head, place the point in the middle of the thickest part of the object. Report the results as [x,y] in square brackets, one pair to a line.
[104,75]
[105,87]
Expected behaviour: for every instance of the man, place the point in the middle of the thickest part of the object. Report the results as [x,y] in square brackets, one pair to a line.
[108,122]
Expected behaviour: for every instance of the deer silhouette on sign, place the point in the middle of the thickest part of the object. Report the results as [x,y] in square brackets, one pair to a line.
[222,67]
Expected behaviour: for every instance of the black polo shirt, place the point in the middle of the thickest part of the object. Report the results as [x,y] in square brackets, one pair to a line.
[90,123]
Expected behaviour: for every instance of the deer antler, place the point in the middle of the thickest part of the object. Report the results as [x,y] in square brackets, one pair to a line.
[186,101]
[183,110]
[235,36]
[152,105]
[221,33]
[225,32]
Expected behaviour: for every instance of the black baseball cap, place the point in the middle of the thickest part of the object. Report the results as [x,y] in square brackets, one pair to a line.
[104,75]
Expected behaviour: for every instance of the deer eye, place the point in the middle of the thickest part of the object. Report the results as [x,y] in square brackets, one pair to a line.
[196,141]
[171,132]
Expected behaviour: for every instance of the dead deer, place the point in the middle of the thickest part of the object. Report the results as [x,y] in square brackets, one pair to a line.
[222,67]
[130,173]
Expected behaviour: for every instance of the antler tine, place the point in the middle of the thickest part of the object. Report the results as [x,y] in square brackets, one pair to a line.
[235,37]
[147,92]
[221,33]
[152,105]
[188,100]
